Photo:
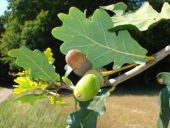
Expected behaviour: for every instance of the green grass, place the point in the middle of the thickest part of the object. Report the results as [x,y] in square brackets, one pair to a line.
[124,109]
[14,114]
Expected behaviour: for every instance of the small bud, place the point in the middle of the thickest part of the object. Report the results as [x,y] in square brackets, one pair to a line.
[78,62]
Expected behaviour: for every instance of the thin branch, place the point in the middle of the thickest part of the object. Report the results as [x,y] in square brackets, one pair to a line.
[135,71]
[138,69]
[107,73]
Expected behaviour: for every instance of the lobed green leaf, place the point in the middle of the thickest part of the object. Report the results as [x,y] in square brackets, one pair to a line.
[91,36]
[37,62]
[143,18]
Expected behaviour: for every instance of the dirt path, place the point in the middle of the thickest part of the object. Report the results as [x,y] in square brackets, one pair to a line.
[4,93]
[130,111]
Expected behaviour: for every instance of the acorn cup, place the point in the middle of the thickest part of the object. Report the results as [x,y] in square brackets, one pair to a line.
[78,62]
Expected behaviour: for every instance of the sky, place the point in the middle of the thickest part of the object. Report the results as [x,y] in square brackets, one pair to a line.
[3,6]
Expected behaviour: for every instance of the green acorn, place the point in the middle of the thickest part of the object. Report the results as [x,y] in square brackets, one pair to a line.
[88,86]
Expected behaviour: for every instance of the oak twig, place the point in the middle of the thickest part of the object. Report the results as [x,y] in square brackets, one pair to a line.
[107,73]
[135,71]
[142,67]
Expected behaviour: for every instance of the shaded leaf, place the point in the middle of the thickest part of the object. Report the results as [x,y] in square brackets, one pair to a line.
[164,98]
[164,116]
[143,18]
[37,62]
[98,103]
[31,98]
[91,36]
[164,77]
[84,118]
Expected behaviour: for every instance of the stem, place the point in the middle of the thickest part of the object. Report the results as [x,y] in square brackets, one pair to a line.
[52,93]
[150,58]
[107,73]
[142,67]
[112,88]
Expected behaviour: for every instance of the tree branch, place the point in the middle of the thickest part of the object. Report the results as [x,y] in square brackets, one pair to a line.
[138,69]
[135,71]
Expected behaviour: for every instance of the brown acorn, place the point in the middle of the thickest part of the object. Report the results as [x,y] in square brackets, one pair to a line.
[78,62]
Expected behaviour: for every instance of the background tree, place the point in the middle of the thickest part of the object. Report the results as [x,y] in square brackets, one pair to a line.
[30,23]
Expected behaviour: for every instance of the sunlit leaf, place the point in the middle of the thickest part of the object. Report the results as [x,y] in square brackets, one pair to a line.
[91,36]
[23,73]
[143,18]
[37,62]
[48,53]
[117,8]
[56,100]
[27,84]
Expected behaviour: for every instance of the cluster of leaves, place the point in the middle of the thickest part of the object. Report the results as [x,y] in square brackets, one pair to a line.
[96,38]
[38,76]
[26,83]
[97,33]
[112,46]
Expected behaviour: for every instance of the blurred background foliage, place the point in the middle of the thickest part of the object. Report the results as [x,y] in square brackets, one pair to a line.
[30,23]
